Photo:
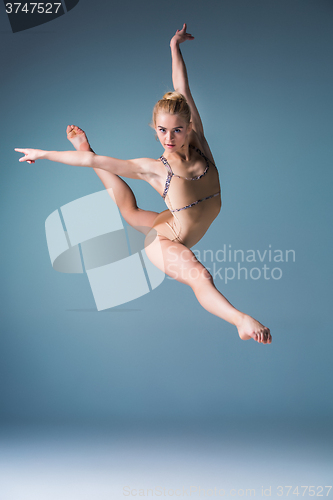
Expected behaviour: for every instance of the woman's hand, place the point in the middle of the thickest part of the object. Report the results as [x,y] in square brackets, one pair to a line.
[30,155]
[181,36]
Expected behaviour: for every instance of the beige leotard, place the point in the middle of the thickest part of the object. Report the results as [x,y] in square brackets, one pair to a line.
[191,205]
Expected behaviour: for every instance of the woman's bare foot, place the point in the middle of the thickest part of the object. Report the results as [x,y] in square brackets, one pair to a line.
[78,138]
[249,328]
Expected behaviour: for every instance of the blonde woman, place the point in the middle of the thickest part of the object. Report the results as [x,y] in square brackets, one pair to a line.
[185,176]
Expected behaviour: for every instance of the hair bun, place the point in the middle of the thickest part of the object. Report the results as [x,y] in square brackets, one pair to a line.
[174,96]
[172,103]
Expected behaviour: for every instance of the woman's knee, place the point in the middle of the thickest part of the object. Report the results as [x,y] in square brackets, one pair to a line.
[198,276]
[206,275]
[130,213]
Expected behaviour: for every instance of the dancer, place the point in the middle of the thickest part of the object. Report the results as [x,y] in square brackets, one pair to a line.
[185,176]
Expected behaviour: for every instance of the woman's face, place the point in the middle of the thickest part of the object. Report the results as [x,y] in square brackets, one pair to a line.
[171,131]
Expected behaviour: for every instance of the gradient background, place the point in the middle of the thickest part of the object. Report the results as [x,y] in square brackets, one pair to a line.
[157,391]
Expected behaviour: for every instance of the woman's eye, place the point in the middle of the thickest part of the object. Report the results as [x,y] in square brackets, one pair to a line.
[162,129]
[177,130]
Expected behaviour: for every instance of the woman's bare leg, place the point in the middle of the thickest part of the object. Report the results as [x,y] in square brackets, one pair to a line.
[179,262]
[120,192]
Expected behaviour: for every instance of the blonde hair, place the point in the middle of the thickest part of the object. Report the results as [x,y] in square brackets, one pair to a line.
[172,103]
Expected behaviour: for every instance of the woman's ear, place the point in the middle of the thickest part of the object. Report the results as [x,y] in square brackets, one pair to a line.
[189,128]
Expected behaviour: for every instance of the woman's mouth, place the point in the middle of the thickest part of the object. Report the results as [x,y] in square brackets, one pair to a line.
[170,145]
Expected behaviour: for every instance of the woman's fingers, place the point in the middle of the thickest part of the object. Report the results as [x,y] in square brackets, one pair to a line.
[182,36]
[26,155]
[183,30]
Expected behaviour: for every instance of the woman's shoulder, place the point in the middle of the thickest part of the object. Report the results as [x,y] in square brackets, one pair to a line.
[199,142]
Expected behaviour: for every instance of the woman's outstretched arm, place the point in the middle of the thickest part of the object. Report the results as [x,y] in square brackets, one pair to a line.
[139,168]
[180,84]
[180,78]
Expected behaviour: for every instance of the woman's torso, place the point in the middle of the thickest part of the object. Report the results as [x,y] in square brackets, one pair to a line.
[192,195]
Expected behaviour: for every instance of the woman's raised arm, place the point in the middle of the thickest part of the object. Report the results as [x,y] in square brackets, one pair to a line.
[179,76]
[139,168]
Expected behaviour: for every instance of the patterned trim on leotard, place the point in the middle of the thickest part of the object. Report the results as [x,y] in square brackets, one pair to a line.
[195,202]
[170,174]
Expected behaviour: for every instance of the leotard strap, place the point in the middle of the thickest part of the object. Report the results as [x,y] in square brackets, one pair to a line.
[201,153]
[195,202]
[170,174]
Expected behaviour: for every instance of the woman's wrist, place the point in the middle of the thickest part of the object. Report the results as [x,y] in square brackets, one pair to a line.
[174,43]
[44,155]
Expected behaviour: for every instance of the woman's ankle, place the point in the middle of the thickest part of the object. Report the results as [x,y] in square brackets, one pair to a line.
[238,318]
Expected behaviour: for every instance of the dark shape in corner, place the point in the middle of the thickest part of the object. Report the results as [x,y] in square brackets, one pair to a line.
[35,14]
[70,4]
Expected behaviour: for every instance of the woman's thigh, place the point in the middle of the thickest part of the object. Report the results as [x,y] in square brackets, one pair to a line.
[166,226]
[175,259]
[123,196]
[141,220]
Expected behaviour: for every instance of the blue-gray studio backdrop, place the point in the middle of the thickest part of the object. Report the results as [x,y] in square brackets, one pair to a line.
[261,74]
